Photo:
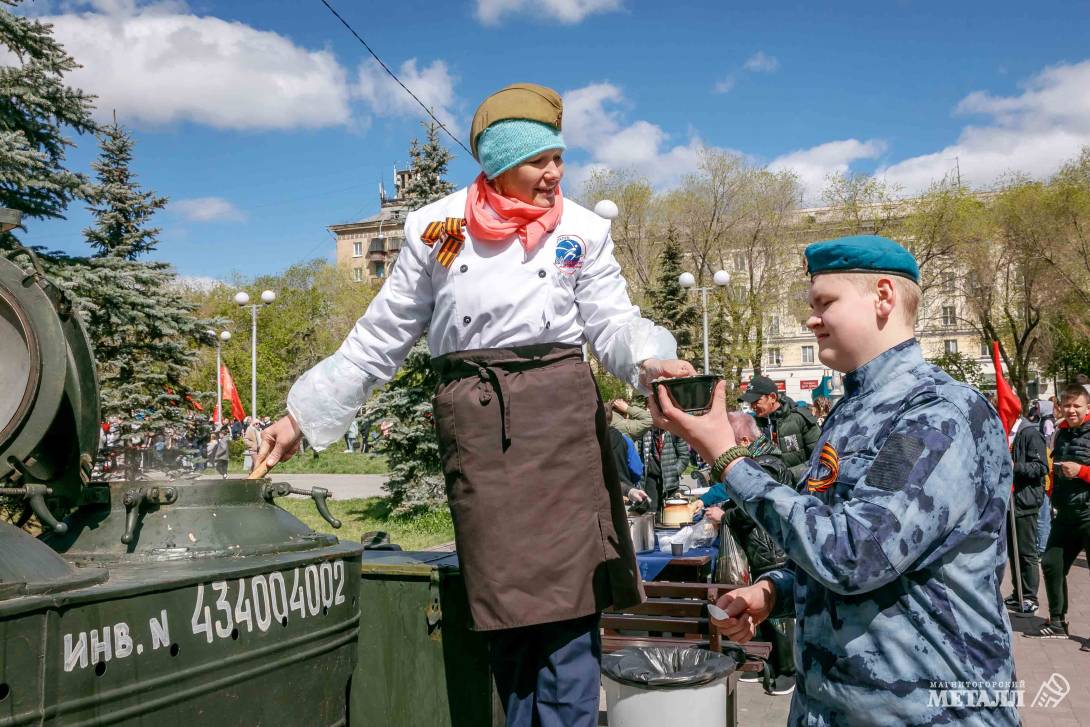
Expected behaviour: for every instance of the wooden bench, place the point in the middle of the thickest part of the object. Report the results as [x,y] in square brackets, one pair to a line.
[680,610]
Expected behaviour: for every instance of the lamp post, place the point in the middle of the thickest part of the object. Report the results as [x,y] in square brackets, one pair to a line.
[223,336]
[243,299]
[688,281]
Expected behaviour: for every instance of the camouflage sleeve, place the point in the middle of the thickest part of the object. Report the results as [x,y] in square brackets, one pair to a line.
[783,581]
[903,505]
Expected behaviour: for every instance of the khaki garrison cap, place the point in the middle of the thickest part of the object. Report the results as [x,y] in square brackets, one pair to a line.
[517,101]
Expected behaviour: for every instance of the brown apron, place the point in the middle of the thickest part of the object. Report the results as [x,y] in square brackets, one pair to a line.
[539,521]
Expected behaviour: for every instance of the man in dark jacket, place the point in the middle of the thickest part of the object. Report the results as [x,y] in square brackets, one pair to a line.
[1030,468]
[1070,533]
[761,552]
[618,450]
[792,429]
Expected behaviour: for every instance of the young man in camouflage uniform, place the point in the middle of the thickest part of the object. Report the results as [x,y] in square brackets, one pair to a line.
[897,546]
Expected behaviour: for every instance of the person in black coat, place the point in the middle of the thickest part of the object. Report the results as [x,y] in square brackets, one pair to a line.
[1028,453]
[1070,534]
[618,450]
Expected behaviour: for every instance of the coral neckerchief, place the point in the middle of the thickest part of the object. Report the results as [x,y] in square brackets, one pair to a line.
[492,216]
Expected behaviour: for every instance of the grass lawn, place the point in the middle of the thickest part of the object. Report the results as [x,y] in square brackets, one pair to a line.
[417,530]
[329,462]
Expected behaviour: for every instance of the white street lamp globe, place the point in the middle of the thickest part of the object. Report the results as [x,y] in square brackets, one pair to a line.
[225,336]
[242,297]
[606,208]
[267,296]
[722,277]
[686,280]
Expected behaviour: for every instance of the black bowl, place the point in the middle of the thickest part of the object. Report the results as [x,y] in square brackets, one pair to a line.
[692,394]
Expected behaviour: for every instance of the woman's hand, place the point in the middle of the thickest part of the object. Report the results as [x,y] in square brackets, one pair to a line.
[710,433]
[279,442]
[637,495]
[654,368]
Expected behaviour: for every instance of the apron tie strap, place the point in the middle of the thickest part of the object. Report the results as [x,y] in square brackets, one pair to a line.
[491,380]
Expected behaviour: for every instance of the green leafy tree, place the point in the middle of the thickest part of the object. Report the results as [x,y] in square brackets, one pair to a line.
[143,332]
[411,449]
[960,367]
[670,304]
[35,107]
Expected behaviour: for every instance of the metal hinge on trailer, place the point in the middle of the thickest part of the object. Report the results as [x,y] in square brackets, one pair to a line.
[434,610]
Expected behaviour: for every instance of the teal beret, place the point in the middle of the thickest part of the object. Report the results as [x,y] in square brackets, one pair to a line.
[861,254]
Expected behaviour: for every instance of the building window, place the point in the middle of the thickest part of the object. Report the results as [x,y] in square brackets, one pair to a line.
[803,328]
[393,244]
[775,357]
[950,345]
[357,249]
[739,261]
[357,274]
[949,283]
[985,350]
[949,318]
[774,325]
[379,270]
[807,354]
[378,244]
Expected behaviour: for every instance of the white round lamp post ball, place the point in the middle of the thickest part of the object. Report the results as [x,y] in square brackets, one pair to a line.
[225,336]
[242,297]
[722,277]
[607,208]
[267,296]
[686,280]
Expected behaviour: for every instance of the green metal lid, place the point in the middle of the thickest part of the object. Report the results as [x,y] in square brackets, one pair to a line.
[49,415]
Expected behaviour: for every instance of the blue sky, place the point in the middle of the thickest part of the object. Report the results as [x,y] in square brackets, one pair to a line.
[264,122]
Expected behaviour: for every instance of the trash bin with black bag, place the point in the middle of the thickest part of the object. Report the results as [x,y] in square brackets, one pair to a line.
[648,686]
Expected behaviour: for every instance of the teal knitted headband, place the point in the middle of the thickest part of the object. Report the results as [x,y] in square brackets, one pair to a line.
[508,143]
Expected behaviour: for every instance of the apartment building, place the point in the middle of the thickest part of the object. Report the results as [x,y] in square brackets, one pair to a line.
[368,248]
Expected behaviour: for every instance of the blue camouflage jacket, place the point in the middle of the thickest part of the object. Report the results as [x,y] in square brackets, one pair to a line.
[897,551]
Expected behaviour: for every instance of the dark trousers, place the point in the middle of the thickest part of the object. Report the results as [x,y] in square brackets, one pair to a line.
[1065,541]
[548,675]
[780,632]
[1025,535]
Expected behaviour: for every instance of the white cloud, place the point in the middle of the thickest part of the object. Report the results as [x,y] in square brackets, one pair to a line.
[726,85]
[815,164]
[207,209]
[491,12]
[593,122]
[432,84]
[1034,132]
[154,64]
[761,62]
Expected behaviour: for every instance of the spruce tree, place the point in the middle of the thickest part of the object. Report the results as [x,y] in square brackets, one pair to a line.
[35,106]
[142,330]
[411,449]
[428,164]
[671,305]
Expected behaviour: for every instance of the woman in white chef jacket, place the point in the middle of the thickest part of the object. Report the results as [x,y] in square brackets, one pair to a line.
[509,279]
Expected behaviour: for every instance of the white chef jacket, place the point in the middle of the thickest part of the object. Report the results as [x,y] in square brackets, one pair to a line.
[494,295]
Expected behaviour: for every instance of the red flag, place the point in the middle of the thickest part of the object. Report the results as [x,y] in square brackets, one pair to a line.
[230,392]
[1006,401]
